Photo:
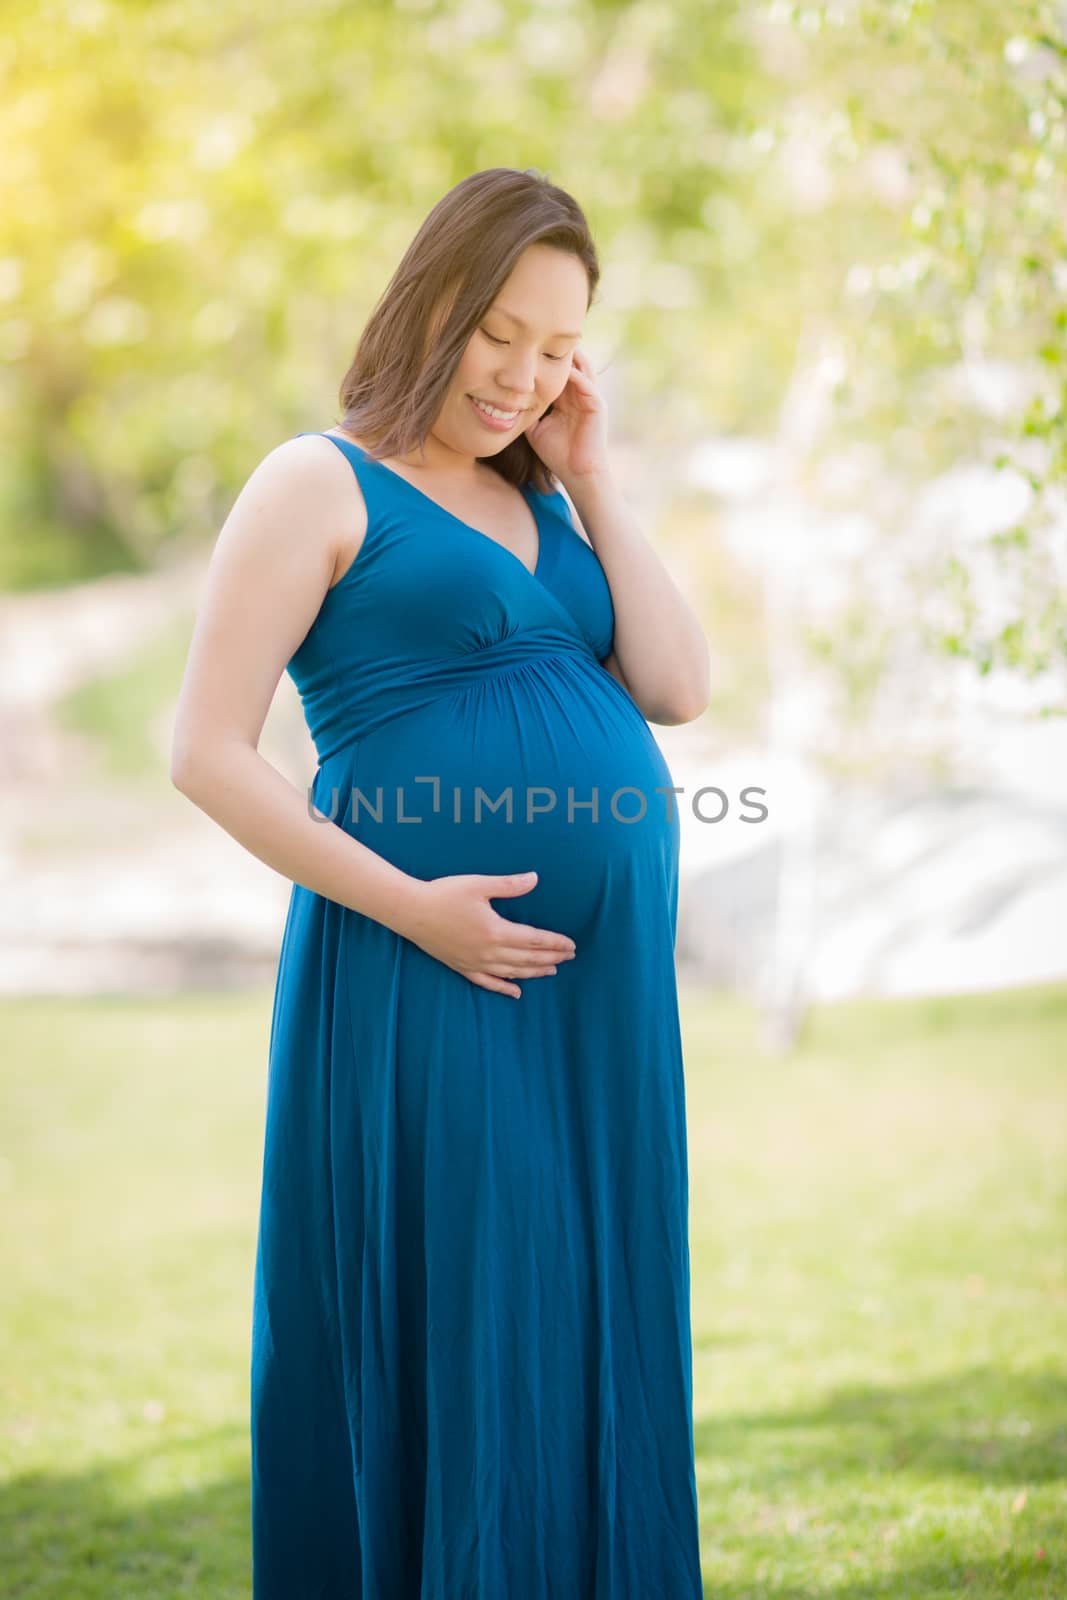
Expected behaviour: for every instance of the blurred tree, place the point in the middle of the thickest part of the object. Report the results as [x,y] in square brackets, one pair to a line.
[945,136]
[204,202]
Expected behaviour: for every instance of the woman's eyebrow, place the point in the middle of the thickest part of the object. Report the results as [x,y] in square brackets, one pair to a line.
[520,324]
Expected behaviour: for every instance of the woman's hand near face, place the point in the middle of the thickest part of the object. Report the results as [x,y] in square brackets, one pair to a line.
[572,439]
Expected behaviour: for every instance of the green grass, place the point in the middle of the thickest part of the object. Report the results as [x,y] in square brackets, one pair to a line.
[879,1265]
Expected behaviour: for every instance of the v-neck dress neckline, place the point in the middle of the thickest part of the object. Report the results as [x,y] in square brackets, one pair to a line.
[531,572]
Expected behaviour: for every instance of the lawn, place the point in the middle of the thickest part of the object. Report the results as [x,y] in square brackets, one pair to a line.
[879,1263]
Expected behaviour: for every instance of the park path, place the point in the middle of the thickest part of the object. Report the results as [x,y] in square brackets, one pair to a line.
[112,886]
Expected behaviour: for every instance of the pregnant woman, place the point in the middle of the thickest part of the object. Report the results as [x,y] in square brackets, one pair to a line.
[471,1372]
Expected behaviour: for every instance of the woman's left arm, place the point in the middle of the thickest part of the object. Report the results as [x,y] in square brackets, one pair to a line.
[660,653]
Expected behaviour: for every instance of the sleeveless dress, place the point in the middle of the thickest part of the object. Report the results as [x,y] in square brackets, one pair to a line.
[471,1363]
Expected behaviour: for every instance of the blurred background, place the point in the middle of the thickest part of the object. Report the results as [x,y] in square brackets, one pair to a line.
[832,334]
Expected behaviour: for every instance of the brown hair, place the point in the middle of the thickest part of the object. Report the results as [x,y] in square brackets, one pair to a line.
[450,273]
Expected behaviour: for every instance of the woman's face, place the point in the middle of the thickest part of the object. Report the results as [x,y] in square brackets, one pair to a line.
[519,357]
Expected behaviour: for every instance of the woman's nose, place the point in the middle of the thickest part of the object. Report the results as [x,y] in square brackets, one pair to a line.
[519,377]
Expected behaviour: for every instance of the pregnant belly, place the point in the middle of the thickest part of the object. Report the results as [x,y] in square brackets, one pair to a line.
[547,766]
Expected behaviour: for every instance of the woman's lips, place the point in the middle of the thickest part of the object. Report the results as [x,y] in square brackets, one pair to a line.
[497,424]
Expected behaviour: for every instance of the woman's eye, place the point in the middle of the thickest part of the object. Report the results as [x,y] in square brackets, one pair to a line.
[489,336]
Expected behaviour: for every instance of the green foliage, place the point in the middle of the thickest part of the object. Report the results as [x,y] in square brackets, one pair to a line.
[957,111]
[205,201]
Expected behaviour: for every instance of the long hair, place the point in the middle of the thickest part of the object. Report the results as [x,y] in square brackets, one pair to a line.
[449,276]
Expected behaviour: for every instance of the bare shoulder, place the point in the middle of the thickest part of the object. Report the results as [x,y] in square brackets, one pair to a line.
[272,563]
[312,474]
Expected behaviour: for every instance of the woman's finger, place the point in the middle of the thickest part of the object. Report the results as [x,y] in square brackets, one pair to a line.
[510,971]
[484,981]
[526,937]
[523,956]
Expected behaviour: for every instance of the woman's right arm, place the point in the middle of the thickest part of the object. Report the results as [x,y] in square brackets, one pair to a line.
[271,567]
[269,572]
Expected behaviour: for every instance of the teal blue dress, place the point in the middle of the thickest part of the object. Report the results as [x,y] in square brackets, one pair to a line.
[471,1363]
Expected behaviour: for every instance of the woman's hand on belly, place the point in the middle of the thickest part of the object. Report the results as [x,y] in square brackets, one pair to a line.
[453,921]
